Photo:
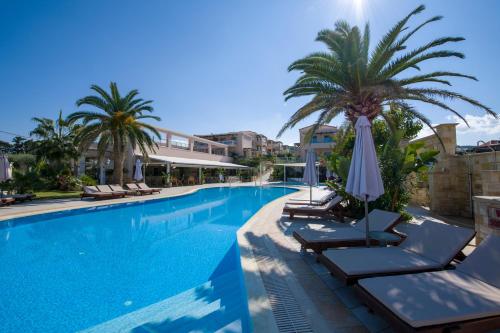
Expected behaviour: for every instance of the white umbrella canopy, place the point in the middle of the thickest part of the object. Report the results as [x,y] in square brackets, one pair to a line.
[364,181]
[138,170]
[5,168]
[310,177]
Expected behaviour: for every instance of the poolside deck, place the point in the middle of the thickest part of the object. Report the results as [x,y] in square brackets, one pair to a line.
[287,290]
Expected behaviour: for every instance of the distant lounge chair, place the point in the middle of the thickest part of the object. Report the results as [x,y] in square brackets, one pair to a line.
[143,186]
[319,197]
[342,236]
[329,209]
[118,188]
[466,299]
[107,189]
[141,191]
[428,247]
[93,192]
[21,197]
[6,201]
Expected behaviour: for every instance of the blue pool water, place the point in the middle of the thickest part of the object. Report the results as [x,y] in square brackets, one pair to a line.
[159,266]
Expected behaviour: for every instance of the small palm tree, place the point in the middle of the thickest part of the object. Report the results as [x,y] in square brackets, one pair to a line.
[56,140]
[118,124]
[349,80]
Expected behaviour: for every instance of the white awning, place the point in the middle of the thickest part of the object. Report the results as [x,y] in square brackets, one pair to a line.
[299,164]
[195,163]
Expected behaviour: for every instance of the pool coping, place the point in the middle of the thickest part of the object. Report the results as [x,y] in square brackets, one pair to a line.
[259,306]
[117,202]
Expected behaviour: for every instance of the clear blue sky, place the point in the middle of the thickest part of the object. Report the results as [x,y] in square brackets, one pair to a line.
[213,66]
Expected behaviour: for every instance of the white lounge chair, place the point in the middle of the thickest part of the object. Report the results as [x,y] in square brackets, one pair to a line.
[319,197]
[429,246]
[346,235]
[331,208]
[466,299]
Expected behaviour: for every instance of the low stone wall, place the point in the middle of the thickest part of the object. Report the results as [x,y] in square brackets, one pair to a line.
[486,216]
[454,179]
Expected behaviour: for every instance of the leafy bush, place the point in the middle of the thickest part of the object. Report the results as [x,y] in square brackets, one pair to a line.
[396,165]
[87,180]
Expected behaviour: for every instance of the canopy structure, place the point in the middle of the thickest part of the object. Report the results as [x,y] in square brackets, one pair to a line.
[195,163]
[299,164]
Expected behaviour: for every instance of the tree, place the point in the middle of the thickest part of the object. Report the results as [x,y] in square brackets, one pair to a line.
[21,145]
[56,141]
[117,123]
[348,80]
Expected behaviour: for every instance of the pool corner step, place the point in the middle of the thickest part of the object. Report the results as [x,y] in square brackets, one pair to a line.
[215,303]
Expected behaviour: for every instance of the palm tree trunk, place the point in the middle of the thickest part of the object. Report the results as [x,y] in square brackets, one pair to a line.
[118,161]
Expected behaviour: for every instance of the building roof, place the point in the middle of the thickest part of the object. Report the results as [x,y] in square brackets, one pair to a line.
[321,129]
[193,162]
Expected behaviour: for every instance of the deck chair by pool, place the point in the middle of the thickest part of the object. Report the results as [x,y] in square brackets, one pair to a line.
[319,198]
[118,188]
[6,201]
[141,191]
[21,197]
[329,209]
[107,189]
[354,235]
[430,246]
[143,186]
[93,192]
[466,299]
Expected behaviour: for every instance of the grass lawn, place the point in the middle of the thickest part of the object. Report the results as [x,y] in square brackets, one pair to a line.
[57,195]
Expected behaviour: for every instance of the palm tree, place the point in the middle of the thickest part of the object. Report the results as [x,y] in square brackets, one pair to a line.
[117,124]
[56,140]
[348,80]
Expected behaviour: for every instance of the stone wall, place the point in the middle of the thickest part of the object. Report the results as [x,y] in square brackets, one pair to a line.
[454,179]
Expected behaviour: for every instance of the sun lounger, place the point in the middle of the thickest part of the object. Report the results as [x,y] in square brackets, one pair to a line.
[6,201]
[93,192]
[118,188]
[329,209]
[466,299]
[430,246]
[143,186]
[108,189]
[319,197]
[21,197]
[342,236]
[141,191]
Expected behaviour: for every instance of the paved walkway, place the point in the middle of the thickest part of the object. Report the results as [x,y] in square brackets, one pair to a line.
[325,304]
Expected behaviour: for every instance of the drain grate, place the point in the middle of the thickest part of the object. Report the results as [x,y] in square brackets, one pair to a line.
[286,310]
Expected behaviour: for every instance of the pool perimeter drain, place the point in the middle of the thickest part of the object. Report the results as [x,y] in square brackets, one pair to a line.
[286,310]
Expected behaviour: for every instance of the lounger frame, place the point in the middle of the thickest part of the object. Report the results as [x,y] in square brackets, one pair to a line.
[319,247]
[473,326]
[351,279]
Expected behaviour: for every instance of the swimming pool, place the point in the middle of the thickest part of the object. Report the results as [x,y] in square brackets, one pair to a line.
[160,265]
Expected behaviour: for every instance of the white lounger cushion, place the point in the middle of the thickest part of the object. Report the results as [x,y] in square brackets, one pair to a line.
[433,298]
[329,205]
[359,261]
[484,262]
[317,195]
[341,233]
[379,221]
[414,253]
[437,241]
